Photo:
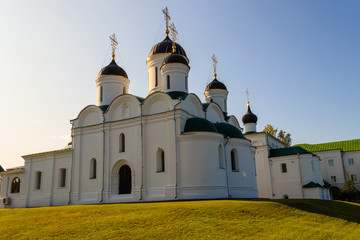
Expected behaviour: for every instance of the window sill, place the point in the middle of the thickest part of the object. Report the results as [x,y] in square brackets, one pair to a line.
[235,170]
[221,168]
[160,171]
[92,178]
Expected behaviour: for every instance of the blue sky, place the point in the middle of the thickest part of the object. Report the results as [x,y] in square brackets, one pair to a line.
[298,59]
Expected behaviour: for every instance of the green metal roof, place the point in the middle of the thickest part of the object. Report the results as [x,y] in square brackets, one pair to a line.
[104,107]
[345,146]
[1,169]
[312,185]
[287,151]
[140,99]
[205,106]
[199,125]
[177,95]
[229,130]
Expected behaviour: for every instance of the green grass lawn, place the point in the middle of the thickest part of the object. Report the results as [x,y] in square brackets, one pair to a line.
[217,219]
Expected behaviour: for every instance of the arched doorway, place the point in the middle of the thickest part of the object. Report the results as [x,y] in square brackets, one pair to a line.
[125,180]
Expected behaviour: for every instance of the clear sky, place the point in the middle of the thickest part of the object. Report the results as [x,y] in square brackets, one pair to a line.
[299,59]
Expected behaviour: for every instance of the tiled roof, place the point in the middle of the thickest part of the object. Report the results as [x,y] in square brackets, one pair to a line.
[287,151]
[345,146]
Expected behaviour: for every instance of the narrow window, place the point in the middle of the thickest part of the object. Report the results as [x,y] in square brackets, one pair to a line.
[168,81]
[331,162]
[93,168]
[283,168]
[160,160]
[124,90]
[186,83]
[122,143]
[353,177]
[211,100]
[101,93]
[156,77]
[221,157]
[62,181]
[333,179]
[234,164]
[37,180]
[15,185]
[351,161]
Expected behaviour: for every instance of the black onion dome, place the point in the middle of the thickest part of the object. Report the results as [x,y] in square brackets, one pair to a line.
[249,117]
[113,69]
[166,47]
[215,84]
[175,58]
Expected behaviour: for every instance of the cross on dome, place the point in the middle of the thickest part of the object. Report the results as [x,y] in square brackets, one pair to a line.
[167,19]
[173,36]
[214,64]
[114,43]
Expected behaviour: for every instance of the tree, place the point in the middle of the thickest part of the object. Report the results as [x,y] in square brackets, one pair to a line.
[349,191]
[282,135]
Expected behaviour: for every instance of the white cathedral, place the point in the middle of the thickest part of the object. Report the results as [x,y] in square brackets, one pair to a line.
[167,146]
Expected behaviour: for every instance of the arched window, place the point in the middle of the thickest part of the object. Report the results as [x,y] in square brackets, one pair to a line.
[160,160]
[122,143]
[62,177]
[221,157]
[125,180]
[234,161]
[283,168]
[285,196]
[168,81]
[101,93]
[124,90]
[15,185]
[93,168]
[156,77]
[38,180]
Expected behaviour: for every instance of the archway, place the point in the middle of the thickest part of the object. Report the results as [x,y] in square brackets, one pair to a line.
[124,180]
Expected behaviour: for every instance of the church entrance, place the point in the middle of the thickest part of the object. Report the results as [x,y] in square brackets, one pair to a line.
[125,180]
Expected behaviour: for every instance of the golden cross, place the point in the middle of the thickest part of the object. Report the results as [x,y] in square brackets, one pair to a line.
[247,95]
[173,36]
[114,43]
[214,64]
[167,19]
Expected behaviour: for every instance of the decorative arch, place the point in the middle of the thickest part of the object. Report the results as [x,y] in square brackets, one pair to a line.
[214,113]
[90,115]
[122,107]
[157,102]
[122,178]
[233,121]
[193,105]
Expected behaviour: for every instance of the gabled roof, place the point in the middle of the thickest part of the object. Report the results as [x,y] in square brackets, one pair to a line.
[312,185]
[345,146]
[288,151]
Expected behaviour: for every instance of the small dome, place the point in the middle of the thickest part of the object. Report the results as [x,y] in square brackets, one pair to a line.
[166,47]
[175,58]
[199,125]
[229,130]
[215,84]
[113,69]
[249,117]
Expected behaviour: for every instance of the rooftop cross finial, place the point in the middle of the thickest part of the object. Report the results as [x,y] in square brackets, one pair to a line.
[167,19]
[114,43]
[173,36]
[247,96]
[214,64]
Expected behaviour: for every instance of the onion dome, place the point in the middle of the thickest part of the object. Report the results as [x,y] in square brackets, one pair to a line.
[166,47]
[215,84]
[113,69]
[175,58]
[249,117]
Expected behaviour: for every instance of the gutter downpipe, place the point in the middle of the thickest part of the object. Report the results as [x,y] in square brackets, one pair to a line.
[103,162]
[142,152]
[176,154]
[270,164]
[226,168]
[28,192]
[72,162]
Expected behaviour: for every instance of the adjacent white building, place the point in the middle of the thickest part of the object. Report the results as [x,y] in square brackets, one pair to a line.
[126,148]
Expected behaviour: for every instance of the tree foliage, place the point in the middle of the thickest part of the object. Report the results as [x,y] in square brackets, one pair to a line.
[281,135]
[349,191]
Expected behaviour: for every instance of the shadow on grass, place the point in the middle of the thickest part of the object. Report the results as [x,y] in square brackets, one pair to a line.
[347,211]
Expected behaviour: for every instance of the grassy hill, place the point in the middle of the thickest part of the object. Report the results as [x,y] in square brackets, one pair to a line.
[217,219]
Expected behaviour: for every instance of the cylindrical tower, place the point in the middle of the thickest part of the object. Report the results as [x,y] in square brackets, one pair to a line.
[216,92]
[249,120]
